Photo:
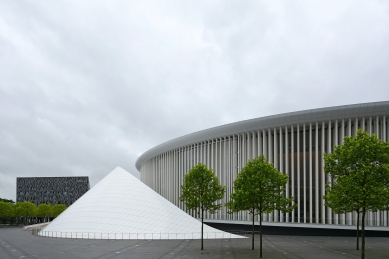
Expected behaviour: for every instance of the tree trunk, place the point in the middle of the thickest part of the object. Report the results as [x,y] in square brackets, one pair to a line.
[363,234]
[357,230]
[252,234]
[202,228]
[260,234]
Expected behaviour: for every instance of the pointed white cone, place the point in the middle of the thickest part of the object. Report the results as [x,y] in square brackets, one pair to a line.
[120,206]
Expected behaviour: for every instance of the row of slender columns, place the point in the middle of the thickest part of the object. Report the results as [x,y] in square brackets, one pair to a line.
[295,150]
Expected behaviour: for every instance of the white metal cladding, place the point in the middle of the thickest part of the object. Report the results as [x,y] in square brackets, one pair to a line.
[122,207]
[294,142]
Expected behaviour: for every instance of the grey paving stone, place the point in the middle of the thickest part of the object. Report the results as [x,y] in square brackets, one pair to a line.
[16,243]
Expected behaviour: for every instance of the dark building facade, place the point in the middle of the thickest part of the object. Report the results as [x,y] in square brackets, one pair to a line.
[53,190]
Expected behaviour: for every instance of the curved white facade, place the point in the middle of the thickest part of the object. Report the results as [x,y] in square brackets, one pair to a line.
[294,142]
[122,207]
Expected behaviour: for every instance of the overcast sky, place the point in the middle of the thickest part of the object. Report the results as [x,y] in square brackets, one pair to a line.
[86,86]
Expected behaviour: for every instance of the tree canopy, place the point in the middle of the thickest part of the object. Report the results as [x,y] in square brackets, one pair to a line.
[44,210]
[359,171]
[28,212]
[6,210]
[260,188]
[58,209]
[200,191]
[5,200]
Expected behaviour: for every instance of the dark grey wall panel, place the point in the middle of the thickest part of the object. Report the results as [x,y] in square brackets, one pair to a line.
[53,190]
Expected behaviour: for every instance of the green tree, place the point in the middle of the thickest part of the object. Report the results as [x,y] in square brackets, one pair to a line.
[26,209]
[5,200]
[200,191]
[17,212]
[44,210]
[359,170]
[57,209]
[6,211]
[260,188]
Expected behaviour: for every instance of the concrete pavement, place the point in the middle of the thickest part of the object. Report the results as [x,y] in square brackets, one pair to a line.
[16,243]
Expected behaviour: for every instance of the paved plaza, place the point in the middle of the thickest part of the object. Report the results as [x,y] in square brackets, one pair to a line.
[16,243]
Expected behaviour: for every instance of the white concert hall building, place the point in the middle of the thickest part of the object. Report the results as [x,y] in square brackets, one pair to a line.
[294,142]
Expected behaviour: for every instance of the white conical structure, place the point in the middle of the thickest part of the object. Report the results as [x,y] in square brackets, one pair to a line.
[120,206]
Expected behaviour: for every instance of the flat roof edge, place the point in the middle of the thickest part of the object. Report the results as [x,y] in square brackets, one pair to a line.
[278,120]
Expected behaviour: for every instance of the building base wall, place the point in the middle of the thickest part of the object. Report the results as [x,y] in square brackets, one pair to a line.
[307,230]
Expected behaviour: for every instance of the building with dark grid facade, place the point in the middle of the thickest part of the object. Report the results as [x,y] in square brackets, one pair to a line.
[53,190]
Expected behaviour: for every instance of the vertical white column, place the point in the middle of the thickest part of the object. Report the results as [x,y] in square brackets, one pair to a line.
[317,175]
[322,174]
[181,173]
[349,127]
[370,214]
[329,149]
[298,174]
[196,157]
[161,175]
[239,155]
[158,174]
[175,182]
[254,147]
[206,157]
[377,217]
[167,182]
[377,127]
[270,146]
[281,162]
[370,126]
[264,151]
[223,173]
[165,178]
[363,124]
[175,176]
[336,216]
[241,151]
[384,138]
[225,159]
[235,163]
[275,149]
[270,159]
[217,173]
[259,143]
[304,174]
[287,171]
[248,148]
[167,173]
[342,134]
[355,126]
[354,213]
[202,153]
[191,156]
[276,165]
[209,158]
[386,129]
[310,144]
[172,170]
[224,151]
[349,133]
[292,157]
[265,144]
